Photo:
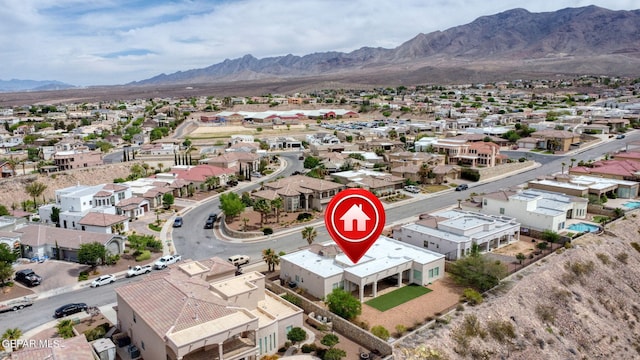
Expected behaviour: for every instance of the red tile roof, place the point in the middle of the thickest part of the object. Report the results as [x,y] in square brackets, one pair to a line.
[73,348]
[39,235]
[101,219]
[200,173]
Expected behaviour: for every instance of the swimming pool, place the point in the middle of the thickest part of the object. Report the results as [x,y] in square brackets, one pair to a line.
[632,204]
[582,227]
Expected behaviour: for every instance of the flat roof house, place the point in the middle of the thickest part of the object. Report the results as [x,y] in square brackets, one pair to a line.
[176,314]
[321,268]
[453,232]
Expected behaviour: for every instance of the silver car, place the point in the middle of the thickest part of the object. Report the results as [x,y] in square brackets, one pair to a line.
[103,280]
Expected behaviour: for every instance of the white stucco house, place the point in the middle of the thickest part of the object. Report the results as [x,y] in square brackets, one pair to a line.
[453,232]
[320,268]
[534,209]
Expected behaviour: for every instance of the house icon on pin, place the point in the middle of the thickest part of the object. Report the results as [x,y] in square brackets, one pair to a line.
[355,214]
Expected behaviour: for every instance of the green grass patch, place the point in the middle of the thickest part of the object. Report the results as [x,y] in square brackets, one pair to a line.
[154,227]
[397,297]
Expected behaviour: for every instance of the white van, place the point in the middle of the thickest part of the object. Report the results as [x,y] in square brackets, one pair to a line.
[238,260]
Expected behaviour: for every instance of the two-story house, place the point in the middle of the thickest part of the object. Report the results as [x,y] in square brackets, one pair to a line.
[300,193]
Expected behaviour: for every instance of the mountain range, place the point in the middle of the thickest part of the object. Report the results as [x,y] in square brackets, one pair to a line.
[586,40]
[32,85]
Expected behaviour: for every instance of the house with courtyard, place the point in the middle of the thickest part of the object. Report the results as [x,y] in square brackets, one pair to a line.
[300,193]
[376,182]
[535,209]
[583,186]
[552,140]
[177,314]
[320,268]
[40,241]
[453,232]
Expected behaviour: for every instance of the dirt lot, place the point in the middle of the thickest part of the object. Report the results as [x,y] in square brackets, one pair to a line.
[526,245]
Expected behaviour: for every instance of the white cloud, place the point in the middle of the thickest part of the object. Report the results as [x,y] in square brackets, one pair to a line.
[116,41]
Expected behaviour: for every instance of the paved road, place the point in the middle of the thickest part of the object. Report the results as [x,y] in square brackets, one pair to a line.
[198,243]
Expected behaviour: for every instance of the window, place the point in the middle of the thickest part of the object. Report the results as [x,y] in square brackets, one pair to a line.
[501,211]
[260,342]
[436,271]
[297,278]
[287,329]
[484,202]
[425,244]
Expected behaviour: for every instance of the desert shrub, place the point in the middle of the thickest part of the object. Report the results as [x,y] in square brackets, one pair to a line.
[267,231]
[154,245]
[292,299]
[470,174]
[636,246]
[381,332]
[83,276]
[472,297]
[363,325]
[308,348]
[112,259]
[501,330]
[96,333]
[401,329]
[546,313]
[304,216]
[577,271]
[622,257]
[144,255]
[604,258]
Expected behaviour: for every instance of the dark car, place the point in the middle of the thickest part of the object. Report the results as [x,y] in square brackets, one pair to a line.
[28,277]
[210,221]
[462,187]
[177,222]
[69,309]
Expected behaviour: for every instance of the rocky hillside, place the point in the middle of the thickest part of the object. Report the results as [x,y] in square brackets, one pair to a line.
[568,35]
[12,189]
[581,303]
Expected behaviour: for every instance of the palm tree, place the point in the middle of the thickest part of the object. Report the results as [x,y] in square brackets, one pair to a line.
[309,233]
[572,161]
[65,328]
[264,208]
[424,172]
[245,221]
[160,166]
[271,258]
[563,165]
[137,171]
[277,204]
[12,334]
[35,189]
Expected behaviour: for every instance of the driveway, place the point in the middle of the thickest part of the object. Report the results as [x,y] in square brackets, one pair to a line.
[55,274]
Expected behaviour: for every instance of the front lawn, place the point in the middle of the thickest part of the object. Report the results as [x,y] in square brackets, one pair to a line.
[397,297]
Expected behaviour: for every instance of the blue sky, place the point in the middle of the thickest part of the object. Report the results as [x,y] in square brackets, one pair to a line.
[109,42]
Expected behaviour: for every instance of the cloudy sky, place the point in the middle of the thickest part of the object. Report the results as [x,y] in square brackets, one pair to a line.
[109,42]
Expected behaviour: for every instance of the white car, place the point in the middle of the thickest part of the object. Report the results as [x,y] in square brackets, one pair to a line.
[103,280]
[412,189]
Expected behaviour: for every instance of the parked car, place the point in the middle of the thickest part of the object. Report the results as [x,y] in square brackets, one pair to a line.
[28,277]
[462,187]
[177,222]
[238,260]
[210,221]
[620,136]
[70,309]
[103,280]
[412,189]
[138,270]
[166,260]
[256,175]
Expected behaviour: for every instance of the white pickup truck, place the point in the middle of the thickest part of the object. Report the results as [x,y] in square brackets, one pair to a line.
[138,270]
[166,260]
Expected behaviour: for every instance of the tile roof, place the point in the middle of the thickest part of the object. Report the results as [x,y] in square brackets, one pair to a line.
[115,187]
[200,173]
[102,194]
[135,200]
[73,348]
[101,219]
[610,167]
[39,235]
[171,301]
[301,184]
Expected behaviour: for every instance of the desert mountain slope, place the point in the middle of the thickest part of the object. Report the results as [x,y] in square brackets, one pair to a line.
[583,303]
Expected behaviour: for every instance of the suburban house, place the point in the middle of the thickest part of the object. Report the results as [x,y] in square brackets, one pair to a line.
[376,182]
[75,159]
[582,186]
[535,209]
[552,140]
[177,314]
[320,268]
[40,241]
[613,169]
[453,232]
[197,175]
[300,193]
[79,205]
[235,160]
[284,143]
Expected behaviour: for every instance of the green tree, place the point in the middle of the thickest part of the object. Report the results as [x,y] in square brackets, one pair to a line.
[296,334]
[277,205]
[167,200]
[4,211]
[311,162]
[381,332]
[264,208]
[92,254]
[6,271]
[520,257]
[478,271]
[271,258]
[231,204]
[6,254]
[343,304]
[11,334]
[186,143]
[330,340]
[65,328]
[334,354]
[309,233]
[55,215]
[35,189]
[543,245]
[550,236]
[212,182]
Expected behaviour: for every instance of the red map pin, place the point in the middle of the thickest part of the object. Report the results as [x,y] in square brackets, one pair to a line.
[355,219]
